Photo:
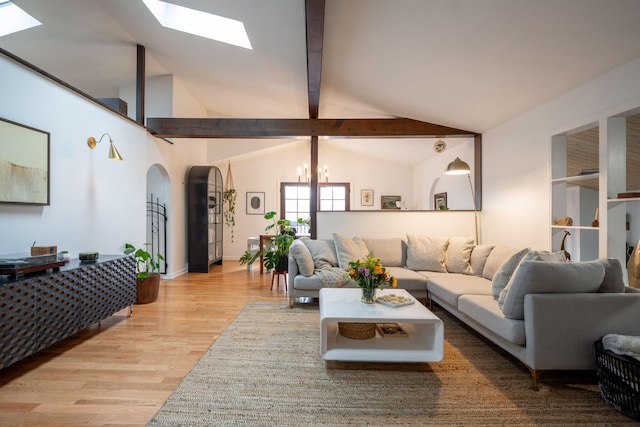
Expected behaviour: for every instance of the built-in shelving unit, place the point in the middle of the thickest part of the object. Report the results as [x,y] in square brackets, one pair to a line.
[577,178]
[575,194]
[601,146]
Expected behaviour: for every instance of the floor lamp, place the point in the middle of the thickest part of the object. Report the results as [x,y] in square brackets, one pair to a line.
[458,167]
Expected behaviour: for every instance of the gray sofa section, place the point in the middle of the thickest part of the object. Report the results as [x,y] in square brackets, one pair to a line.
[559,325]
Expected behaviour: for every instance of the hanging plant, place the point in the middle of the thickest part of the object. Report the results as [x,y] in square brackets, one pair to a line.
[229,198]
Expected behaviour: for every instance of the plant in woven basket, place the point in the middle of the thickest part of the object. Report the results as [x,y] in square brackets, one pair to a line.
[369,275]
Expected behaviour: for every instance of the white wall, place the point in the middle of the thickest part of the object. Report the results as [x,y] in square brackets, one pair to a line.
[516,156]
[177,157]
[97,204]
[429,179]
[362,172]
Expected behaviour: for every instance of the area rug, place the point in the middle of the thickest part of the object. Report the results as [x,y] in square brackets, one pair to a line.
[266,370]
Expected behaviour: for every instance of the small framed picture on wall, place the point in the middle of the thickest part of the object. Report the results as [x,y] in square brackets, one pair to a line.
[366,197]
[389,202]
[255,203]
[440,201]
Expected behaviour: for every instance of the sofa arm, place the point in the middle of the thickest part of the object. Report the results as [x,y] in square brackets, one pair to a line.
[292,270]
[560,329]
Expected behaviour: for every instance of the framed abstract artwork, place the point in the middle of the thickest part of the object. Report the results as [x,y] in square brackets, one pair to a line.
[255,203]
[24,164]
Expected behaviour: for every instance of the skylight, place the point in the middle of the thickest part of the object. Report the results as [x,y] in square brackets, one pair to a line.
[14,19]
[199,23]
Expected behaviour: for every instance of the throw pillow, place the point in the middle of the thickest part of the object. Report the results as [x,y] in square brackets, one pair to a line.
[392,251]
[503,275]
[458,255]
[530,256]
[496,258]
[323,253]
[540,277]
[559,256]
[479,256]
[302,255]
[613,280]
[349,249]
[426,253]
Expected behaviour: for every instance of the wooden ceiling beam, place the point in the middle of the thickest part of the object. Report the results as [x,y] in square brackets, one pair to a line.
[290,128]
[314,10]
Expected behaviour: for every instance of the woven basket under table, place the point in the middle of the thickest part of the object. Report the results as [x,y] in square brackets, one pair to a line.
[357,331]
[619,380]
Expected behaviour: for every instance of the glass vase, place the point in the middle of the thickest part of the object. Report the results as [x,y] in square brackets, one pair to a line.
[368,296]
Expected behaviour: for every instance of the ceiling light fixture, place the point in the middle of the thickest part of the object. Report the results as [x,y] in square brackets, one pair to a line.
[14,19]
[459,167]
[113,151]
[199,23]
[307,177]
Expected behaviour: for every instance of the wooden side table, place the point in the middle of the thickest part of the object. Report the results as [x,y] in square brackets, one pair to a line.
[276,275]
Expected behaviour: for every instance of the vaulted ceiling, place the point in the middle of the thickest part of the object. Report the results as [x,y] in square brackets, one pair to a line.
[468,64]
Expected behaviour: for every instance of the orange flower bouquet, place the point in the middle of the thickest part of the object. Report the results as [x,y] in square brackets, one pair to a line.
[370,275]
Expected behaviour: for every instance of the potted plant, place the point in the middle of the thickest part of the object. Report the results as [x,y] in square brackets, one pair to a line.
[147,273]
[276,257]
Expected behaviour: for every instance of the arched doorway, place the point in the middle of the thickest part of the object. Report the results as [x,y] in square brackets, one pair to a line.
[158,207]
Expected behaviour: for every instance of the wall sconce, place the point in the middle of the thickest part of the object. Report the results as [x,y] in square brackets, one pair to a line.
[458,167]
[113,151]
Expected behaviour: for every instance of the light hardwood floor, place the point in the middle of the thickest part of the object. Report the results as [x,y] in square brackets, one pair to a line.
[119,373]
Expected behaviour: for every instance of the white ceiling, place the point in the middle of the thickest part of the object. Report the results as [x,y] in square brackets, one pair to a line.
[469,64]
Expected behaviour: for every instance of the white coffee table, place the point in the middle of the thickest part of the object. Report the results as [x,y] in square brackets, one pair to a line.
[424,343]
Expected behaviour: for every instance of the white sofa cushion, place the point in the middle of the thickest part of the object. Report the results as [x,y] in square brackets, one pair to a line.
[496,258]
[479,256]
[303,257]
[503,275]
[408,279]
[484,310]
[458,255]
[540,277]
[426,253]
[349,249]
[392,252]
[449,287]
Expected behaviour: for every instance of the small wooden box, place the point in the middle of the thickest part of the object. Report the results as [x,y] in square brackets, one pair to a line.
[44,250]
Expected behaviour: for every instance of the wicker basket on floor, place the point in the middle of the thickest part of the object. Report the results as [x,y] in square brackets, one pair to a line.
[357,331]
[619,380]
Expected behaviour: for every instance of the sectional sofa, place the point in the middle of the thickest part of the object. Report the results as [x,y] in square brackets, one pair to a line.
[541,309]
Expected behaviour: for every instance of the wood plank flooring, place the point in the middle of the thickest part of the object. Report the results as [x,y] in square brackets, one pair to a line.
[119,373]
